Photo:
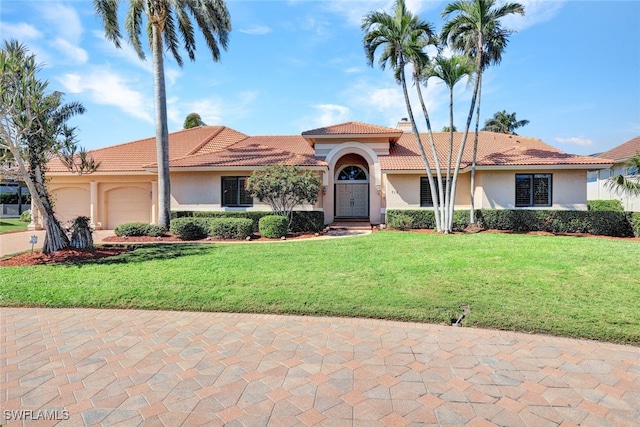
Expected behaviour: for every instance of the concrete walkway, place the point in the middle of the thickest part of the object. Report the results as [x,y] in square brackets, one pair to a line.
[151,368]
[12,243]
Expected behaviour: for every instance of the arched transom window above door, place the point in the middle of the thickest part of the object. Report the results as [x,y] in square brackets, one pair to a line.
[352,173]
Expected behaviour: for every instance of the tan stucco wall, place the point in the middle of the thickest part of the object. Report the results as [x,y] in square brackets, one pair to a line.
[402,191]
[569,189]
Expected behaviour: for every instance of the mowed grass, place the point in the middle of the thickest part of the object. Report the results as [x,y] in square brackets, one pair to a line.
[12,224]
[566,286]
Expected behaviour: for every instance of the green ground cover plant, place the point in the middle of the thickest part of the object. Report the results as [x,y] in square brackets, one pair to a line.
[559,285]
[12,224]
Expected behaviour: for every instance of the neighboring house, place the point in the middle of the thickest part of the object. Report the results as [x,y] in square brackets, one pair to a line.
[597,188]
[365,169]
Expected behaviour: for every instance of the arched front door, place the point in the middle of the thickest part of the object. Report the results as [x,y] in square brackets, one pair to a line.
[352,192]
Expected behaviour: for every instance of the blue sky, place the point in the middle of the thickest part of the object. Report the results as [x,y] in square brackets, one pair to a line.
[572,69]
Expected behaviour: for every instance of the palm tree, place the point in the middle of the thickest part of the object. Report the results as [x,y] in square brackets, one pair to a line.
[451,71]
[402,37]
[475,30]
[166,20]
[193,120]
[503,122]
[629,183]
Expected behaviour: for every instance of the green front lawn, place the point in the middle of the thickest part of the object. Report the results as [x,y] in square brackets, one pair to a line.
[12,224]
[568,286]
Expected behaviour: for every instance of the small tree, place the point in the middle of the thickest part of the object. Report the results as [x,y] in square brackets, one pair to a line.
[193,120]
[284,187]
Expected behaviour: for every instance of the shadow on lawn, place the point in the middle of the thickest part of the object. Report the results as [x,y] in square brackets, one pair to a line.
[143,253]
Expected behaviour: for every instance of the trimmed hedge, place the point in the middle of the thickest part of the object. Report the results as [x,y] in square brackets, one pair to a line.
[600,222]
[230,228]
[131,229]
[273,226]
[605,205]
[190,228]
[302,221]
[635,223]
[605,223]
[425,218]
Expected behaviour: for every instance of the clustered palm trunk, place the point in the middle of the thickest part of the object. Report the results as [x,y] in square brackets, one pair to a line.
[33,129]
[476,33]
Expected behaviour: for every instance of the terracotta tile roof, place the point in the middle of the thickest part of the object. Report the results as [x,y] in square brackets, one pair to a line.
[219,146]
[352,128]
[255,151]
[494,149]
[623,151]
[131,156]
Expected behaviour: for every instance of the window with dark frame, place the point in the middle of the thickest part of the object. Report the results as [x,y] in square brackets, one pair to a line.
[533,189]
[426,198]
[234,192]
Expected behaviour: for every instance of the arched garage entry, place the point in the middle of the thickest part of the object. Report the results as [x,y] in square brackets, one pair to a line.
[128,204]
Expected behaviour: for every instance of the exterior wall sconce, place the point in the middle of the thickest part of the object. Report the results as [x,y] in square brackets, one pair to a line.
[324,189]
[379,188]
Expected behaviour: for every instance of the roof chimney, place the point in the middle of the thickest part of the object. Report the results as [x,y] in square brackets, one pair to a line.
[405,125]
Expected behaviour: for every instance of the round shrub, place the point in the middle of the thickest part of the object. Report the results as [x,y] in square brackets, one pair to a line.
[190,228]
[131,229]
[231,228]
[25,216]
[273,226]
[155,230]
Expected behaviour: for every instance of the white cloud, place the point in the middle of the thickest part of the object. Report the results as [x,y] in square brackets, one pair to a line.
[256,30]
[535,12]
[64,18]
[108,88]
[19,31]
[354,11]
[352,70]
[125,52]
[217,111]
[583,142]
[73,52]
[329,114]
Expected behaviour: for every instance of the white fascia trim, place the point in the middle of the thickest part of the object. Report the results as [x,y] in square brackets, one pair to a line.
[352,136]
[542,167]
[230,168]
[98,174]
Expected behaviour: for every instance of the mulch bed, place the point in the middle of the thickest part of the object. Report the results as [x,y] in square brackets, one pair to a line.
[62,257]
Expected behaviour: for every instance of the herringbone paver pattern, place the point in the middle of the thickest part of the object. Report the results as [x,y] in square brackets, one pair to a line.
[150,368]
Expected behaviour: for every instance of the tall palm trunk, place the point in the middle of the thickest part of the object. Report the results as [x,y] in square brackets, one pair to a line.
[162,132]
[440,213]
[472,211]
[449,156]
[432,184]
[454,180]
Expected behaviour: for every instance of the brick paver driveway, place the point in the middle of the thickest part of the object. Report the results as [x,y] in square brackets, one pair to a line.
[86,367]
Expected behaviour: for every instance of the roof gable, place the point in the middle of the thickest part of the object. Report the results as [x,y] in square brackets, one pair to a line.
[623,151]
[354,130]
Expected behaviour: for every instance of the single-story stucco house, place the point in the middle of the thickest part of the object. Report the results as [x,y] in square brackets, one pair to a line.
[597,188]
[366,170]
